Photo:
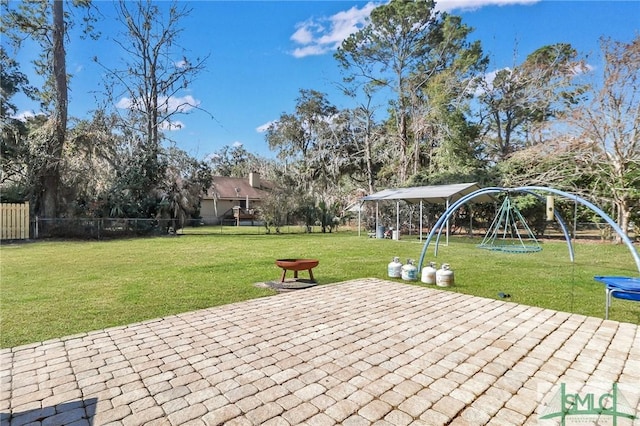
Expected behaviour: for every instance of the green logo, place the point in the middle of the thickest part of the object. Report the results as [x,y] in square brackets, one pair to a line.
[581,407]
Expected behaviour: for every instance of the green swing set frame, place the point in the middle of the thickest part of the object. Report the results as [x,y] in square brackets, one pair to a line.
[509,232]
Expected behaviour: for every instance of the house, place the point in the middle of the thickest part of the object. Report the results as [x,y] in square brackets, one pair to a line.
[232,200]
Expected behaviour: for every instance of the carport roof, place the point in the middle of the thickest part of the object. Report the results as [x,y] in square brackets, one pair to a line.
[434,194]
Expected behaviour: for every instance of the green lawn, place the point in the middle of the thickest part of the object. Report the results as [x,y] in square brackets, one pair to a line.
[51,289]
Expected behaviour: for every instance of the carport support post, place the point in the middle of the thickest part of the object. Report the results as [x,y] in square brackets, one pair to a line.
[447,224]
[397,219]
[420,220]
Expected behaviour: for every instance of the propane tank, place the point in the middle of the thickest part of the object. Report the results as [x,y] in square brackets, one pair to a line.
[409,271]
[444,276]
[395,268]
[429,274]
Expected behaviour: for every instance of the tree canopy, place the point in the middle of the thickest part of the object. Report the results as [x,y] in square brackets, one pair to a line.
[425,107]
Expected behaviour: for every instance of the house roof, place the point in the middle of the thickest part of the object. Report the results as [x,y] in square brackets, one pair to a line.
[233,188]
[435,194]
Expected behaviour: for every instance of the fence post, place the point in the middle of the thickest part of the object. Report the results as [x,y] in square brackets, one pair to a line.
[25,221]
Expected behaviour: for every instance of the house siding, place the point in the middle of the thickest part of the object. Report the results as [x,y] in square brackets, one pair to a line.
[212,212]
[228,192]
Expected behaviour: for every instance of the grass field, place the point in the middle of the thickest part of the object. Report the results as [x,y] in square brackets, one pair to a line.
[52,289]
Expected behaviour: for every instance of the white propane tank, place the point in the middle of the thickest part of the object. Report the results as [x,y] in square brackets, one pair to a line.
[409,271]
[395,268]
[444,276]
[429,273]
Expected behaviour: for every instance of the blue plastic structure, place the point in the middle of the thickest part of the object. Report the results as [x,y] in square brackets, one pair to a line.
[627,288]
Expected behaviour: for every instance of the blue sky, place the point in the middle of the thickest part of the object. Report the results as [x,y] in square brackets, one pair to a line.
[263,52]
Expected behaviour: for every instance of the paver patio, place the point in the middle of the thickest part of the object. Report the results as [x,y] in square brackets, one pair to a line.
[356,353]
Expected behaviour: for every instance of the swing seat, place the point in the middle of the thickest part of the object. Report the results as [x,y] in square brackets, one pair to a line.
[510,248]
[509,232]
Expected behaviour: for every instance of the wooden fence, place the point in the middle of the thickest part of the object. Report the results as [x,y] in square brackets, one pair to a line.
[14,221]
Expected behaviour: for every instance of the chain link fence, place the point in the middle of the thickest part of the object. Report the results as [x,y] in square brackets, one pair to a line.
[97,228]
[107,228]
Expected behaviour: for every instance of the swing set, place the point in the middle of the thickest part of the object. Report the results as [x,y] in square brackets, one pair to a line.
[509,232]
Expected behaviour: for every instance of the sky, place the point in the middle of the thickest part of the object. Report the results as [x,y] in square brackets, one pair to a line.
[262,53]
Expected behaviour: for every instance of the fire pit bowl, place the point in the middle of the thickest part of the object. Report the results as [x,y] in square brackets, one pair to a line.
[296,265]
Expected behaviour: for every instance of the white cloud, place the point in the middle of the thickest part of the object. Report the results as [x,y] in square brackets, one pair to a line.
[124,103]
[319,36]
[168,105]
[263,128]
[582,69]
[179,104]
[303,34]
[171,104]
[485,82]
[212,156]
[343,24]
[322,35]
[449,5]
[172,126]
[312,50]
[237,144]
[24,115]
[490,76]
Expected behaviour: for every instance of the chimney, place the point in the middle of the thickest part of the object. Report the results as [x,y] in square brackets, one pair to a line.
[254,180]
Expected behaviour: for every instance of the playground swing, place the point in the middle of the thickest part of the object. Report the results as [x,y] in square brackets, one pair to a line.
[509,232]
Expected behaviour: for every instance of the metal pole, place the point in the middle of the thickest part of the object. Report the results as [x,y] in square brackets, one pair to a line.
[447,225]
[359,215]
[397,219]
[420,220]
[377,222]
[575,220]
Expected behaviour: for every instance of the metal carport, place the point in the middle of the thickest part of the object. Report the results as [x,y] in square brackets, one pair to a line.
[433,194]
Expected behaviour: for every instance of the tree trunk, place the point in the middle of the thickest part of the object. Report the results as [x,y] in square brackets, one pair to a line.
[623,217]
[369,164]
[51,179]
[404,157]
[368,150]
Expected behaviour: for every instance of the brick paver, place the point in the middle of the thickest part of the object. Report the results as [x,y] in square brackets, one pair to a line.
[366,351]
